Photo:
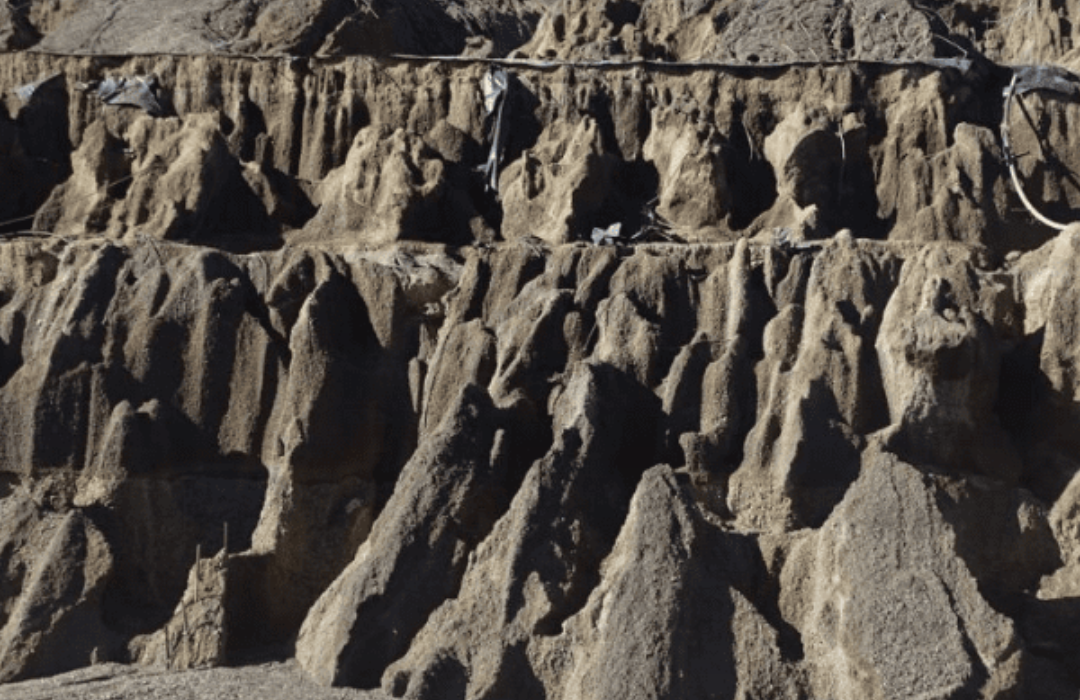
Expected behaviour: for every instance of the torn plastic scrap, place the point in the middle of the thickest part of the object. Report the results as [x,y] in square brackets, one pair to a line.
[607,236]
[26,92]
[495,84]
[1051,78]
[139,91]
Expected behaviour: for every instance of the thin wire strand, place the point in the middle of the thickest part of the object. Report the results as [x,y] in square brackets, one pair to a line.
[31,217]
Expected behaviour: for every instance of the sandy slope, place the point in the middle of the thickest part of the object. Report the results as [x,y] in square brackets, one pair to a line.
[266,681]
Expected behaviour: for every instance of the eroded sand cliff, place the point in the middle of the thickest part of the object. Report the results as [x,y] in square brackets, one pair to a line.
[808,430]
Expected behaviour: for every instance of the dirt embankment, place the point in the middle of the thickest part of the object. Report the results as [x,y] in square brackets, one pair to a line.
[305,350]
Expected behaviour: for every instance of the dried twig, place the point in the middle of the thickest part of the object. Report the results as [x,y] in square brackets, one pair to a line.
[1025,11]
[932,11]
[809,39]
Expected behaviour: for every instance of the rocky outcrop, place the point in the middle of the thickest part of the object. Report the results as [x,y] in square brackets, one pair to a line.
[394,186]
[558,187]
[766,32]
[378,151]
[58,565]
[1008,31]
[444,473]
[171,178]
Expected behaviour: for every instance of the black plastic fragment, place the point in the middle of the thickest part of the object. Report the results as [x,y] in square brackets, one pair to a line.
[495,85]
[139,91]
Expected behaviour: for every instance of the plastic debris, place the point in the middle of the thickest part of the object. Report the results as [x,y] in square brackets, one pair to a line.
[959,64]
[1036,80]
[782,238]
[786,241]
[26,92]
[139,91]
[495,84]
[1050,78]
[607,236]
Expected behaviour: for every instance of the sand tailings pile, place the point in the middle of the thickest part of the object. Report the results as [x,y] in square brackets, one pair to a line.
[541,350]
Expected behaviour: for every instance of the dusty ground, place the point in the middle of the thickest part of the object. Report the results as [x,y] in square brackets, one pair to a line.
[266,681]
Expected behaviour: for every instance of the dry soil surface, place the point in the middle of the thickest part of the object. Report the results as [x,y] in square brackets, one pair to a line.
[279,680]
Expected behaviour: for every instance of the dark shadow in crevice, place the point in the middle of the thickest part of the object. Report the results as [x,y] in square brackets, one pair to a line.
[515,677]
[750,576]
[252,124]
[446,678]
[8,483]
[484,200]
[623,446]
[1036,419]
[958,26]
[826,462]
[856,204]
[37,152]
[622,12]
[1021,388]
[521,126]
[754,189]
[636,186]
[1051,629]
[11,359]
[154,528]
